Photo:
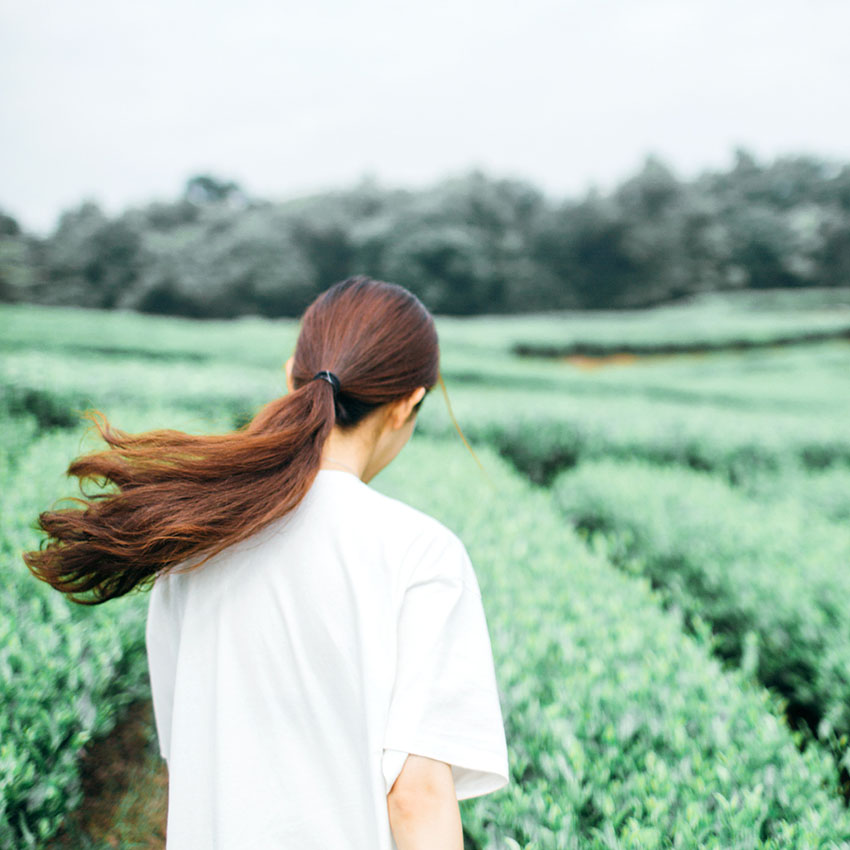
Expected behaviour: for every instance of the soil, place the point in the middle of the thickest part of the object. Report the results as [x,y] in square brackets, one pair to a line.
[125,788]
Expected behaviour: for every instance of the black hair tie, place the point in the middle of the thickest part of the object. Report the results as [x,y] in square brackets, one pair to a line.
[332,379]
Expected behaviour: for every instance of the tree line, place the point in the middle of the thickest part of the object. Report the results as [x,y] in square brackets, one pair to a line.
[467,245]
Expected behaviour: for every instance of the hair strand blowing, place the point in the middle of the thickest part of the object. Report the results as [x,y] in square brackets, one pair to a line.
[175,500]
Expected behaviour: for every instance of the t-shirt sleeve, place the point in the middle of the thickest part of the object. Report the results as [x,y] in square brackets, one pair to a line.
[445,699]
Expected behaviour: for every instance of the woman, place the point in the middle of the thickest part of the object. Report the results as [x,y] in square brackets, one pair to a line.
[319,658]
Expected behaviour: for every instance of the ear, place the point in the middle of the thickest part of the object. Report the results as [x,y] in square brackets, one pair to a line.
[403,408]
[288,367]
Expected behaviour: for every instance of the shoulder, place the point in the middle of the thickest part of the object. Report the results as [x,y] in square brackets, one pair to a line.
[420,544]
[403,519]
[433,550]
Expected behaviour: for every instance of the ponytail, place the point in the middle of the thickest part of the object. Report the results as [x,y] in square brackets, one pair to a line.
[179,496]
[176,497]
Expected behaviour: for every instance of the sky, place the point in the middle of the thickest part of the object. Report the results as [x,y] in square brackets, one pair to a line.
[122,102]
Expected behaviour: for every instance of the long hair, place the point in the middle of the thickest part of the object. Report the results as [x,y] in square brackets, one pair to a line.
[178,497]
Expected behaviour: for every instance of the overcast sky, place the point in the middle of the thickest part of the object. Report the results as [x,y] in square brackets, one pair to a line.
[122,101]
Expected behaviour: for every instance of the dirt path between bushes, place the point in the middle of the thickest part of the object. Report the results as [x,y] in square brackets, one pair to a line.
[125,788]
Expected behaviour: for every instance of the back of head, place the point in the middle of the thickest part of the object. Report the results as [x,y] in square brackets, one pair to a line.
[178,496]
[376,337]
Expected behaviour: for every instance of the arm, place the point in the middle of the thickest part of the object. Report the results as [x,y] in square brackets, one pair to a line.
[423,808]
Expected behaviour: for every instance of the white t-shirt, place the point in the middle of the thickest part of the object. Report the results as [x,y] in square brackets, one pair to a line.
[294,672]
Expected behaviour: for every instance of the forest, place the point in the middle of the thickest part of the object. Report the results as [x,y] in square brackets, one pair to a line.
[467,245]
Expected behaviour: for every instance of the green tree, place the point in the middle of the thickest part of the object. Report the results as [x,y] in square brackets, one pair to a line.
[227,264]
[17,267]
[206,189]
[90,260]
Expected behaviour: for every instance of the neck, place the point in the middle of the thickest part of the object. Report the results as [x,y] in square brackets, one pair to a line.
[338,463]
[348,450]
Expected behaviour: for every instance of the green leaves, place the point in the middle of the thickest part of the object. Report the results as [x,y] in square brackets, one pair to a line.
[63,676]
[622,731]
[770,578]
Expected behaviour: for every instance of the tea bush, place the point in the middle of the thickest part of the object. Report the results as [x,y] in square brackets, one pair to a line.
[823,493]
[623,732]
[771,571]
[66,671]
[543,438]
[621,728]
[65,674]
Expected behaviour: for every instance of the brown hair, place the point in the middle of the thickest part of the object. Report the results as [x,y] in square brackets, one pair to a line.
[178,496]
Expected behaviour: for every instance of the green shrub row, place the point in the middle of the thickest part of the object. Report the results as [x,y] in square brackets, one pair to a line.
[74,383]
[16,435]
[47,409]
[108,355]
[541,430]
[623,731]
[711,318]
[543,435]
[772,580]
[66,671]
[533,348]
[121,334]
[823,493]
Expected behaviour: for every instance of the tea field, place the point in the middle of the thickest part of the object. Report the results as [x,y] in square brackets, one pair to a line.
[662,545]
